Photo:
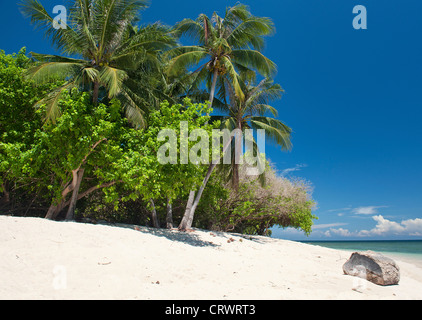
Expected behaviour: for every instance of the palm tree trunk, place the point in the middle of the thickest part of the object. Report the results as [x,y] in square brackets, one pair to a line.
[6,192]
[70,216]
[238,154]
[213,87]
[186,217]
[51,212]
[198,196]
[155,222]
[54,210]
[235,176]
[96,93]
[189,215]
[169,218]
[183,225]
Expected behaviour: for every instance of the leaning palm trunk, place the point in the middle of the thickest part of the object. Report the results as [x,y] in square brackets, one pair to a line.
[74,185]
[184,224]
[213,87]
[71,212]
[155,221]
[188,217]
[193,202]
[198,196]
[169,218]
[55,208]
[230,43]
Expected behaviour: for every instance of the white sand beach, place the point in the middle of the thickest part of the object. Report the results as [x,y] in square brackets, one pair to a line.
[42,259]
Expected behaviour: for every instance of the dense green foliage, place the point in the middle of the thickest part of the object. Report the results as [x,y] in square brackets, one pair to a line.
[17,98]
[254,207]
[99,157]
[120,160]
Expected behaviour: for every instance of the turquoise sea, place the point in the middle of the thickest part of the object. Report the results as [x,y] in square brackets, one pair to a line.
[408,250]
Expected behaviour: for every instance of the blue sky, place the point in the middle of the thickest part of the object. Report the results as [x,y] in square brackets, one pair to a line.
[353,99]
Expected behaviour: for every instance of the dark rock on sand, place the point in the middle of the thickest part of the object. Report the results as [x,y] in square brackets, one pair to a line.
[373,267]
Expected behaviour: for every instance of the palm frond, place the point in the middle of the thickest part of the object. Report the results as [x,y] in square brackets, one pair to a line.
[49,71]
[192,29]
[112,79]
[110,17]
[63,38]
[81,16]
[259,97]
[254,59]
[234,77]
[189,57]
[134,114]
[86,77]
[275,130]
[52,100]
[238,13]
[146,45]
[54,58]
[262,109]
[251,32]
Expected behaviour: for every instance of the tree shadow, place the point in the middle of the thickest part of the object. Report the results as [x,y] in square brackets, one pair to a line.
[253,238]
[189,238]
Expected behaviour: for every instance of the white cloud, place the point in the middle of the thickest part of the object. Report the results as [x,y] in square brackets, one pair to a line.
[328,225]
[296,168]
[341,232]
[384,227]
[410,227]
[368,209]
[414,227]
[341,209]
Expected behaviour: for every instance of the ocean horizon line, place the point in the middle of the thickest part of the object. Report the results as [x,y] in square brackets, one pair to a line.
[410,248]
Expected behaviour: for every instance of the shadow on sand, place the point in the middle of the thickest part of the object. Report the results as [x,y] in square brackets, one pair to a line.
[189,238]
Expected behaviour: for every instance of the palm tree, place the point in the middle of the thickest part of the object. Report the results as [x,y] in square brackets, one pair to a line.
[104,48]
[226,46]
[245,113]
[230,47]
[251,113]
